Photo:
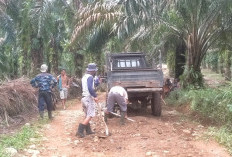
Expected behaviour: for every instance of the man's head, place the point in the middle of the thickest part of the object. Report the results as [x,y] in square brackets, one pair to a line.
[92,68]
[63,71]
[43,68]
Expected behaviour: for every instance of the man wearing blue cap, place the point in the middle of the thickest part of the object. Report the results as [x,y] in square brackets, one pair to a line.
[88,100]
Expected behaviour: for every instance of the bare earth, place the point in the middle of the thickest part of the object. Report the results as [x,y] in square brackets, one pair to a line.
[172,134]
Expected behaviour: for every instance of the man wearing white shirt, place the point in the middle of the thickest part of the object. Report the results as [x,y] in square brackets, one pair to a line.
[117,95]
[89,97]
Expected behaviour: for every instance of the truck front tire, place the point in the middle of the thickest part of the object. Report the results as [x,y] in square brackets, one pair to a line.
[156,104]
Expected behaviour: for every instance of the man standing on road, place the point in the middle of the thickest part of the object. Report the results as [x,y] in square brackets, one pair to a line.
[63,84]
[88,100]
[117,95]
[45,82]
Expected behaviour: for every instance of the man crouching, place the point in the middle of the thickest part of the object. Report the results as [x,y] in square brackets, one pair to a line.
[117,95]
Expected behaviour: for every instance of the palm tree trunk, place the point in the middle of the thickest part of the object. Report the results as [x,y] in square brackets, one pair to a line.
[221,67]
[25,62]
[54,56]
[55,61]
[14,64]
[99,62]
[192,72]
[78,62]
[180,59]
[228,65]
[37,54]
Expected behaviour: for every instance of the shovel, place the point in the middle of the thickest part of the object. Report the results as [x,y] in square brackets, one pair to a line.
[120,116]
[102,116]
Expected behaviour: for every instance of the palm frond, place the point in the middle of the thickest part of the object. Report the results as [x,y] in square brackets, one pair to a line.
[40,16]
[139,14]
[7,26]
[94,15]
[98,38]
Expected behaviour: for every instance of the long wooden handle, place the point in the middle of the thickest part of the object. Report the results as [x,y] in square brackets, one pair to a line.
[120,116]
[106,127]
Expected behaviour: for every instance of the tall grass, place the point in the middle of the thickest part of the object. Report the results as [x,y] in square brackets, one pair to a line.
[213,103]
[223,135]
[18,141]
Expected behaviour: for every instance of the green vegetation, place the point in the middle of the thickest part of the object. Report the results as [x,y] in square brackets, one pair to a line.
[21,139]
[214,104]
[222,135]
[215,76]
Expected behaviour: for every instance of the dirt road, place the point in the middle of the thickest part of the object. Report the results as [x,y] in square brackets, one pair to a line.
[169,135]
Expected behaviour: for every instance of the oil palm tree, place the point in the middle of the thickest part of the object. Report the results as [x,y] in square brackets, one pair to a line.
[202,23]
[48,31]
[198,23]
[94,21]
[9,10]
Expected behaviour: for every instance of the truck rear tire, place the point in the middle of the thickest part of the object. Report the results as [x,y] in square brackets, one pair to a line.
[156,104]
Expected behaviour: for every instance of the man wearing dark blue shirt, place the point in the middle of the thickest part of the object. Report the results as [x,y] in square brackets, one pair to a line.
[45,82]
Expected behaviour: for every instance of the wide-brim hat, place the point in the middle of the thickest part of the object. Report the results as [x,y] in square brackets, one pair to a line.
[92,67]
[43,68]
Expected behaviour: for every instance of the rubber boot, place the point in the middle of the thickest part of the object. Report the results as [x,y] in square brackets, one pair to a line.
[88,130]
[41,114]
[80,131]
[122,118]
[50,115]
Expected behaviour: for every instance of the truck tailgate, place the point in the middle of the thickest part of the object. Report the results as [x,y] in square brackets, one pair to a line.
[148,78]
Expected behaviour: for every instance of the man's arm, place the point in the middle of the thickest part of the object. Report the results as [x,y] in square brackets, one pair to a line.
[125,95]
[69,81]
[58,77]
[90,87]
[33,83]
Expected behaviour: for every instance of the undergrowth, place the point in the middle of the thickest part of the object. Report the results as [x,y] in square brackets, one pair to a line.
[215,104]
[223,135]
[212,103]
[21,139]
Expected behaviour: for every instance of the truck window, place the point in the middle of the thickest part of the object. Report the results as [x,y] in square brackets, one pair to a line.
[124,63]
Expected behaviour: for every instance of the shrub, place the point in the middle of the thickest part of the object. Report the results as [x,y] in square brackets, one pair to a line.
[213,103]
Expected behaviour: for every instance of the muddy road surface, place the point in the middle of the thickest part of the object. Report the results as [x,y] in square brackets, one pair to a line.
[171,135]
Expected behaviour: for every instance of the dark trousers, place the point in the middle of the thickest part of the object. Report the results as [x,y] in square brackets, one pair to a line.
[116,98]
[45,97]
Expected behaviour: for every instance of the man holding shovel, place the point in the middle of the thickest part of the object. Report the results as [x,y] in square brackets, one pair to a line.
[88,100]
[117,95]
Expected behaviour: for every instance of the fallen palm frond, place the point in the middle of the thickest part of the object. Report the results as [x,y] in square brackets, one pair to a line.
[16,97]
